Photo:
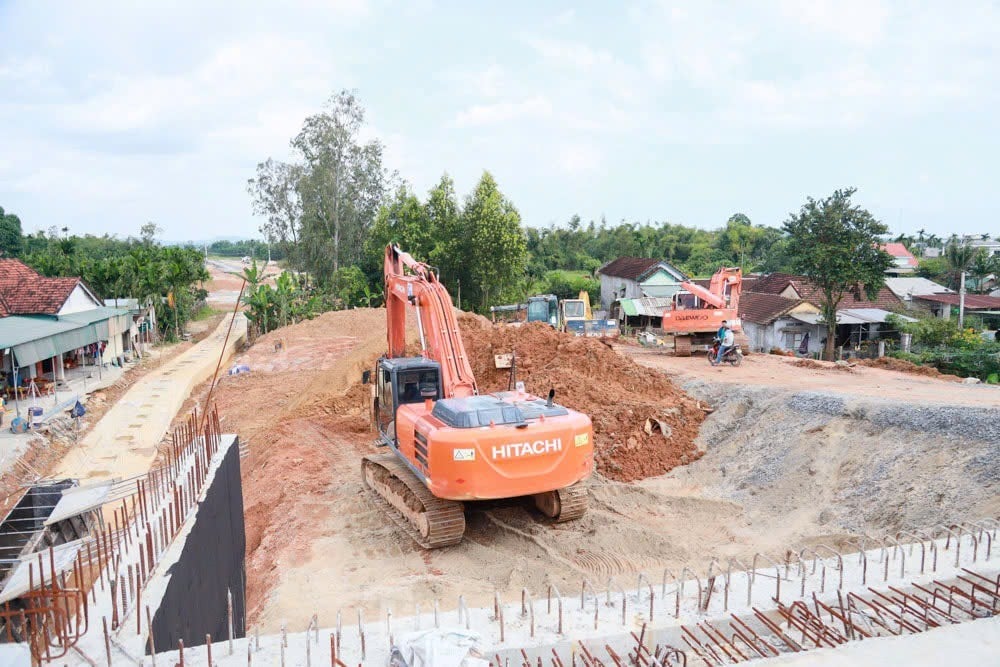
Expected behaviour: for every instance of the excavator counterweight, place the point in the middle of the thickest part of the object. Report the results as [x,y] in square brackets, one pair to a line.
[447,443]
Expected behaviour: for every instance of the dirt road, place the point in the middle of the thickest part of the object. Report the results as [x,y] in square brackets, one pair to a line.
[773,371]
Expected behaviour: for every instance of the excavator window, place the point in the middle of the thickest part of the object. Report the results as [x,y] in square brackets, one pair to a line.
[417,385]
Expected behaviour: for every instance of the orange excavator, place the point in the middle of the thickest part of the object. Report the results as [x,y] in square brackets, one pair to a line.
[695,314]
[447,443]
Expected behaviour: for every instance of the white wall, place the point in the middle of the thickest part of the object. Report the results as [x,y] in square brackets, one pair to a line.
[79,300]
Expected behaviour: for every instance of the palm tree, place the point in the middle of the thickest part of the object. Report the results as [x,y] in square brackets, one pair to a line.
[958,257]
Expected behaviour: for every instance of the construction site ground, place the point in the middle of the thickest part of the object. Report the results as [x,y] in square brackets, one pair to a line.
[694,463]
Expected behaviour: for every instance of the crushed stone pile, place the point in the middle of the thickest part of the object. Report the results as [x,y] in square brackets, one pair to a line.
[588,376]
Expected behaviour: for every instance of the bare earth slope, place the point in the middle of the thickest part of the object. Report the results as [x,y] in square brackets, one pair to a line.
[318,544]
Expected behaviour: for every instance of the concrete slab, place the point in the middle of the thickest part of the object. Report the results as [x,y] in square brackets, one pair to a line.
[164,390]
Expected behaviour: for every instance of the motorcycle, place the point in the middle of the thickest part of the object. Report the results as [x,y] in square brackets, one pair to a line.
[733,356]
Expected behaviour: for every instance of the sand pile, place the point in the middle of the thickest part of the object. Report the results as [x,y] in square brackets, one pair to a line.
[903,366]
[617,394]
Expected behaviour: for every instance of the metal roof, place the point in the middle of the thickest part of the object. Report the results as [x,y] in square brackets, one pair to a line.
[650,306]
[18,329]
[852,316]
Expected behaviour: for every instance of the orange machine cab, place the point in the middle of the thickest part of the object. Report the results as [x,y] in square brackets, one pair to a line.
[478,447]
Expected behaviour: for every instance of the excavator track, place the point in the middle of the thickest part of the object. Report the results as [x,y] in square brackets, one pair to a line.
[563,504]
[432,522]
[682,346]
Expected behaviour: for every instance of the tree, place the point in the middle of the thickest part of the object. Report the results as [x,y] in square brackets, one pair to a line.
[275,196]
[496,249]
[149,232]
[983,266]
[836,244]
[11,237]
[342,185]
[958,257]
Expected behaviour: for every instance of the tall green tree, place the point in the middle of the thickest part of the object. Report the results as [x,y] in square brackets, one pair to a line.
[958,257]
[836,244]
[11,235]
[274,193]
[496,248]
[342,185]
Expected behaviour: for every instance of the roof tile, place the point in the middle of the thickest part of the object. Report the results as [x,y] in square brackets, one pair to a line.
[25,292]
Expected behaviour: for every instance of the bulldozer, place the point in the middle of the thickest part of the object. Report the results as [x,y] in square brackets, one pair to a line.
[445,443]
[696,313]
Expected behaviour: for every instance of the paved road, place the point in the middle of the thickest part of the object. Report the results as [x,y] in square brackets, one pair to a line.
[123,443]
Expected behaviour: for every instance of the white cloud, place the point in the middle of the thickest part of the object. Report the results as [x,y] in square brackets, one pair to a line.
[578,158]
[504,112]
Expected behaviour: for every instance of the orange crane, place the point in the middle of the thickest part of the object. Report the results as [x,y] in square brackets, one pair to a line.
[695,315]
[447,443]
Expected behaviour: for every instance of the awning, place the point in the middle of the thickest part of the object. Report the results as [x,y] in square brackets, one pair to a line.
[108,321]
[816,318]
[852,316]
[650,306]
[36,338]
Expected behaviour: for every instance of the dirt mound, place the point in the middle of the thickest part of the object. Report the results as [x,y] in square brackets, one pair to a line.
[617,394]
[903,366]
[821,365]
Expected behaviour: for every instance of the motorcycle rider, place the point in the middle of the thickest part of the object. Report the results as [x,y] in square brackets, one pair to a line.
[727,341]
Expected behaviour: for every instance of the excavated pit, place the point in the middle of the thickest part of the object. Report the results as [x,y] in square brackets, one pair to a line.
[767,470]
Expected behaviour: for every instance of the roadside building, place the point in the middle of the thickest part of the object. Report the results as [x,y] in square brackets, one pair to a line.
[637,277]
[909,290]
[859,319]
[987,307]
[53,329]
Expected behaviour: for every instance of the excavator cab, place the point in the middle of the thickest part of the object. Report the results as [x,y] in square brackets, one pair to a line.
[400,381]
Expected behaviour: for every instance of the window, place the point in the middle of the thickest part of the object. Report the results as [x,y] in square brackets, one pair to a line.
[538,311]
[574,308]
[793,339]
[415,386]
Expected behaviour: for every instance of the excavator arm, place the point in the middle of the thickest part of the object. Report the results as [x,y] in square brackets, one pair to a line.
[413,282]
[725,280]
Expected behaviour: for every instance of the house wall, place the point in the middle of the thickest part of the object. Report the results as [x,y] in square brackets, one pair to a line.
[612,289]
[78,302]
[765,337]
[661,283]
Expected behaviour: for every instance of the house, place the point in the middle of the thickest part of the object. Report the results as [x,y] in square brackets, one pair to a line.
[51,327]
[859,318]
[904,261]
[991,246]
[769,321]
[986,306]
[636,277]
[906,289]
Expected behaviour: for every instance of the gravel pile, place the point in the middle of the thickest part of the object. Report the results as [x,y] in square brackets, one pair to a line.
[846,463]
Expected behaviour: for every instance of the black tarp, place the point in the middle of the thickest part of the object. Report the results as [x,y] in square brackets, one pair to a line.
[211,563]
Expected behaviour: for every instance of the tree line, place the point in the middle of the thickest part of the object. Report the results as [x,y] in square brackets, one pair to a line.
[169,277]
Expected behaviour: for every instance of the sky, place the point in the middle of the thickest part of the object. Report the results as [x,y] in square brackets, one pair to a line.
[115,114]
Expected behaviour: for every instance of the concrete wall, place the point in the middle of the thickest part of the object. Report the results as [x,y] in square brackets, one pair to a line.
[210,565]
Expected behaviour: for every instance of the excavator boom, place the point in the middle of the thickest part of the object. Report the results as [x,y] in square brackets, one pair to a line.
[438,329]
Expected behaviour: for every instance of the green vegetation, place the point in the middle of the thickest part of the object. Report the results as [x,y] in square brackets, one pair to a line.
[245,248]
[835,243]
[940,343]
[140,268]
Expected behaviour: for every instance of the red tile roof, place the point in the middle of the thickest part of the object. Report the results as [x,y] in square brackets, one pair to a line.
[972,301]
[761,308]
[900,251]
[776,283]
[25,292]
[632,268]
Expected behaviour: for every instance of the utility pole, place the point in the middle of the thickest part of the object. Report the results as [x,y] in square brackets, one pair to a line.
[961,301]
